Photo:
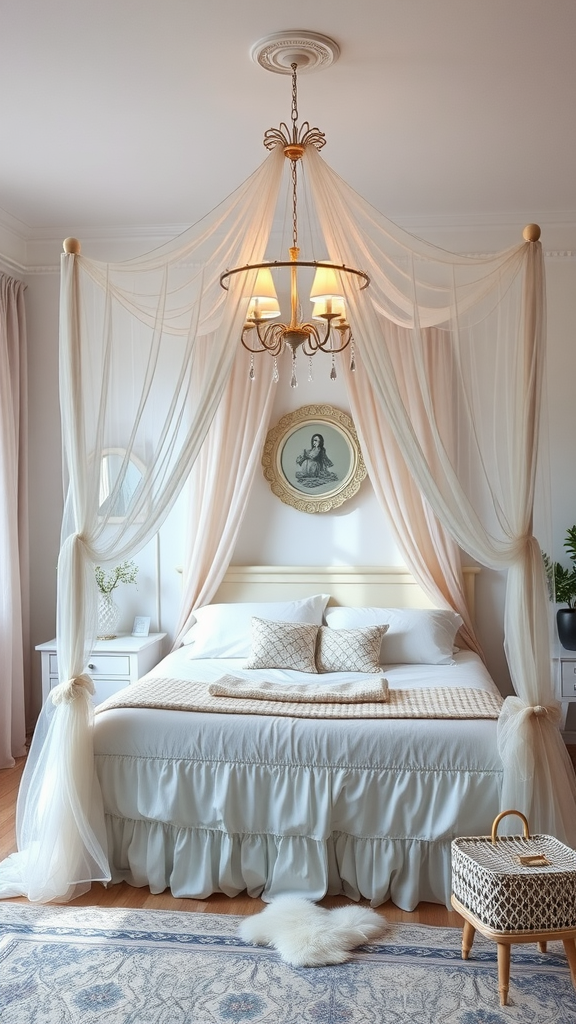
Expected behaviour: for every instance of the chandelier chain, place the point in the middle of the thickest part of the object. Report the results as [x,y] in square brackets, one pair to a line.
[294,116]
[294,102]
[294,204]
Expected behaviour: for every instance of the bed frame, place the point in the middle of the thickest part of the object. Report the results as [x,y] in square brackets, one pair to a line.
[358,586]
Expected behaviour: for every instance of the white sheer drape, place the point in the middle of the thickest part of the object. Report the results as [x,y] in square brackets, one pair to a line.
[469,436]
[220,483]
[147,347]
[453,348]
[14,638]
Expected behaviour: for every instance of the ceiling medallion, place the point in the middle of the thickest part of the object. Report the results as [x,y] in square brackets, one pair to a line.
[309,50]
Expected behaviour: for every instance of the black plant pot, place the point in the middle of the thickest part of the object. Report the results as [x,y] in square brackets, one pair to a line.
[566,622]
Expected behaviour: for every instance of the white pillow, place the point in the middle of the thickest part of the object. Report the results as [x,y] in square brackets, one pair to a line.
[224,630]
[283,645]
[416,636]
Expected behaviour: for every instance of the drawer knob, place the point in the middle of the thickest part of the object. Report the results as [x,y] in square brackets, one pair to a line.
[91,666]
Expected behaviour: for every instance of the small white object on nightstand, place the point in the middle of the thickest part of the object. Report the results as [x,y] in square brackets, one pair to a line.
[113,664]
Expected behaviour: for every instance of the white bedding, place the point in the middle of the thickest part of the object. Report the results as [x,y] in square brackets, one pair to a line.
[204,803]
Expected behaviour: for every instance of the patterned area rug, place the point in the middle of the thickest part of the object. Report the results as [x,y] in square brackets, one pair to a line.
[62,965]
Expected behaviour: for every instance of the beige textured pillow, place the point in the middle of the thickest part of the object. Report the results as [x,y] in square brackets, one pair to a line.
[283,645]
[349,650]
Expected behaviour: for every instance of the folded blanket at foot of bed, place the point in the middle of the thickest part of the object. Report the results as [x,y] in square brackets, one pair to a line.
[185,695]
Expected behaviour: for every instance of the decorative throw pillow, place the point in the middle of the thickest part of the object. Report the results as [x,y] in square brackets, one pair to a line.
[349,650]
[283,645]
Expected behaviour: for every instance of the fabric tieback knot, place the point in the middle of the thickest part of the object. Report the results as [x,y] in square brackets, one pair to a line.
[71,689]
[552,712]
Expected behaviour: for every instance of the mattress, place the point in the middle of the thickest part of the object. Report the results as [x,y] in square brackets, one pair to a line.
[201,803]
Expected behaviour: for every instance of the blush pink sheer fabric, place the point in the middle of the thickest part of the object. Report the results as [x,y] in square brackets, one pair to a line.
[14,634]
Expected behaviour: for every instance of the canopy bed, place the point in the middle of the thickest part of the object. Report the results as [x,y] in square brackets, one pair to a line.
[444,385]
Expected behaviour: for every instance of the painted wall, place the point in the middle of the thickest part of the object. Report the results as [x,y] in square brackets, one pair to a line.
[273,532]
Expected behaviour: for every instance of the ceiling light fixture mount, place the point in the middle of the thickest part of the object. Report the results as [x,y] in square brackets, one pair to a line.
[309,50]
[327,293]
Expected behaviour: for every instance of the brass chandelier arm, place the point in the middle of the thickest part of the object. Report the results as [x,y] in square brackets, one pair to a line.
[273,337]
[270,264]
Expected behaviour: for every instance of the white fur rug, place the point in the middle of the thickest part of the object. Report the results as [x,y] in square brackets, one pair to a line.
[306,935]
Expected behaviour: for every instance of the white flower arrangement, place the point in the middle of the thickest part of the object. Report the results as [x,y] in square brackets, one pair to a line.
[106,582]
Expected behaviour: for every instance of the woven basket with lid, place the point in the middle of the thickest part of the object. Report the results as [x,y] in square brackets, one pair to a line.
[516,883]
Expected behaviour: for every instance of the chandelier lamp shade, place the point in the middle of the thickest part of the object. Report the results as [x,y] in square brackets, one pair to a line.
[328,329]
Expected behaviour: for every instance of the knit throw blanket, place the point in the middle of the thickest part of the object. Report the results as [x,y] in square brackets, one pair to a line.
[234,696]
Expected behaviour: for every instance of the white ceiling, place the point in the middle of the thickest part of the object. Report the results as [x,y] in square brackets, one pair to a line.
[139,113]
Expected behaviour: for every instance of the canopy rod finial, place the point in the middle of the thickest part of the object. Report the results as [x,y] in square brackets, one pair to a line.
[72,245]
[531,232]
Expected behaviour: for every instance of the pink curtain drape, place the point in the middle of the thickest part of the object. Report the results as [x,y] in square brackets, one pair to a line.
[429,551]
[14,631]
[220,485]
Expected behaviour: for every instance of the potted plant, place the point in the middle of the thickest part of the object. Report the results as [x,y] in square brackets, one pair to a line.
[562,588]
[108,610]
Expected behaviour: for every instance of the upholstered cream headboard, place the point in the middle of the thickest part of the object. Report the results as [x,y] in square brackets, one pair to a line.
[360,586]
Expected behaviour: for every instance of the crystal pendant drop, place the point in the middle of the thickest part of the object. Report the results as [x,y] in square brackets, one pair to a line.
[251,374]
[333,373]
[352,360]
[310,377]
[293,380]
[275,374]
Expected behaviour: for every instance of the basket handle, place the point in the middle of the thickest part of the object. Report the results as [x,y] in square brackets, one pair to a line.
[503,815]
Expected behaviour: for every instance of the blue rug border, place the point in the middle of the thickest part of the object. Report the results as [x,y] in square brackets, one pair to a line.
[522,954]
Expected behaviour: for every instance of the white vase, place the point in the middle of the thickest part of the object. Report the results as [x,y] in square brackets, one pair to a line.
[108,616]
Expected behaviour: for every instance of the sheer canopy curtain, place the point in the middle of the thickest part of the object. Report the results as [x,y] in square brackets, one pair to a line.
[14,638]
[220,484]
[147,347]
[485,317]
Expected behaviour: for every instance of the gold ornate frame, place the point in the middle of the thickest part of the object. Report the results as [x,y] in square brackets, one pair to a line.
[300,473]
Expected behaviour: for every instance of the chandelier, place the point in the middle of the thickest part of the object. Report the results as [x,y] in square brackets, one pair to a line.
[328,329]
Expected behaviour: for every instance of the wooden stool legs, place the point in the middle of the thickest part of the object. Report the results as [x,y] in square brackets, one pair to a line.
[504,941]
[468,933]
[570,950]
[503,971]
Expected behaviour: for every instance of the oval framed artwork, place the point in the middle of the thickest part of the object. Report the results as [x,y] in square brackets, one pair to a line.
[312,459]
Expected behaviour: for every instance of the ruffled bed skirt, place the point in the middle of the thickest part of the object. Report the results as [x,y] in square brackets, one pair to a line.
[377,833]
[196,863]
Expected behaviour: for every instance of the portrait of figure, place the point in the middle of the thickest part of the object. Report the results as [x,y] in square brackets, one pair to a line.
[315,466]
[312,458]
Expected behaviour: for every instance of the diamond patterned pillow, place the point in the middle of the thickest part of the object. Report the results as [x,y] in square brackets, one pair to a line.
[349,650]
[283,645]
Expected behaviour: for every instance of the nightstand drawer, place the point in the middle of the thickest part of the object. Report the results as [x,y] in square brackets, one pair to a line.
[109,664]
[102,664]
[113,664]
[569,678]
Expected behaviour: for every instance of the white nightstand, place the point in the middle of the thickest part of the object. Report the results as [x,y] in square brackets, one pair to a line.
[565,679]
[113,663]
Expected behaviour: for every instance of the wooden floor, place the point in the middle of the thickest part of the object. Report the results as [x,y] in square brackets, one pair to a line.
[123,895]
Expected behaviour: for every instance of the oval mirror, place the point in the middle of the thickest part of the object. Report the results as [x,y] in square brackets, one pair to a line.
[120,478]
